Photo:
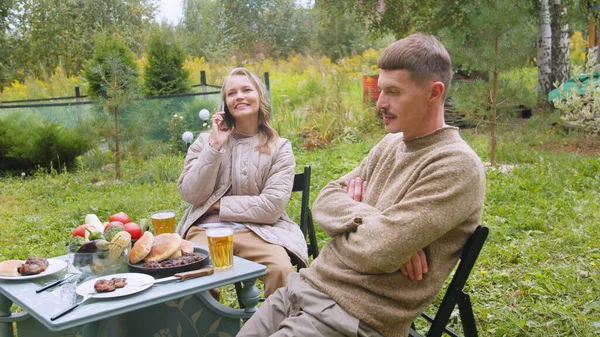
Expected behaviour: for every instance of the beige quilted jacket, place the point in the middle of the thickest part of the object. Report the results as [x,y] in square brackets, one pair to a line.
[261,187]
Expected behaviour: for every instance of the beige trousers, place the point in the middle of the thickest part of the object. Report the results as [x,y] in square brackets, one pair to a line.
[300,310]
[251,247]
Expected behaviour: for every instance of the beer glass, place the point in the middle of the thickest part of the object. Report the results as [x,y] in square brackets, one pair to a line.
[163,222]
[220,244]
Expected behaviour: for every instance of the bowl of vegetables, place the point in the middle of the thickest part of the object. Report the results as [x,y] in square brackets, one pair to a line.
[99,256]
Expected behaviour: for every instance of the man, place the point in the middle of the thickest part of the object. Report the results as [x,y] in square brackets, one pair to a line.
[397,222]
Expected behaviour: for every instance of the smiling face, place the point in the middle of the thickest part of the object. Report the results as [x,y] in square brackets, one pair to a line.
[242,99]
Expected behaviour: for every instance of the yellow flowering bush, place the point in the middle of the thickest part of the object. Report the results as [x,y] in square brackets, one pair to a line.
[312,97]
[578,48]
[56,84]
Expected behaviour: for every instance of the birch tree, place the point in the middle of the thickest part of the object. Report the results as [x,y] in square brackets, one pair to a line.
[544,54]
[560,41]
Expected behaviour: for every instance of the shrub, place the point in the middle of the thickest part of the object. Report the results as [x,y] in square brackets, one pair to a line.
[176,129]
[93,159]
[580,107]
[153,148]
[190,110]
[160,169]
[26,144]
[164,73]
[166,168]
[54,84]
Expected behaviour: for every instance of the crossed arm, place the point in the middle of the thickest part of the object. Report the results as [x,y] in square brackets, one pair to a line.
[416,266]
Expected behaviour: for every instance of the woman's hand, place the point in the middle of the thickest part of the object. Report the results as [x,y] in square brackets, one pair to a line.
[214,208]
[220,132]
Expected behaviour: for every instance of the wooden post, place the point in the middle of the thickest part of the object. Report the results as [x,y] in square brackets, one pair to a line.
[78,107]
[592,32]
[268,86]
[203,82]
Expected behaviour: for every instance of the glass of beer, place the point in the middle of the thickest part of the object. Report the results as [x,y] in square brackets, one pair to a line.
[163,222]
[220,244]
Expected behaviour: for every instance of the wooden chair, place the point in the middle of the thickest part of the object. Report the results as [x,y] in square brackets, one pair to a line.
[455,294]
[301,184]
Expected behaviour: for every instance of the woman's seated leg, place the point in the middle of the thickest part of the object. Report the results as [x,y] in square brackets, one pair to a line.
[251,247]
[198,235]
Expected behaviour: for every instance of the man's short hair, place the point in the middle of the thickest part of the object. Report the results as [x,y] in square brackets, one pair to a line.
[423,55]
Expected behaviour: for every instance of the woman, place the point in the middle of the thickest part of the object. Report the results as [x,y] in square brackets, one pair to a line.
[242,173]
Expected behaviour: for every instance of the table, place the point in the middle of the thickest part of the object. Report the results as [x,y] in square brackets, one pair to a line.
[180,308]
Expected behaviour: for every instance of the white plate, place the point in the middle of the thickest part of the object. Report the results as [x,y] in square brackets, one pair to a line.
[54,266]
[136,282]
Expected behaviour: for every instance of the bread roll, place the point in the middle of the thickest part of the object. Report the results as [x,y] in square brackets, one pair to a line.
[185,247]
[9,268]
[163,246]
[141,248]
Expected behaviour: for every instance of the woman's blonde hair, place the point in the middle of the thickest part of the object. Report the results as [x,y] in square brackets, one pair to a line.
[265,130]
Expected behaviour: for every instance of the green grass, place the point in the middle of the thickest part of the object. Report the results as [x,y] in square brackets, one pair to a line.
[538,274]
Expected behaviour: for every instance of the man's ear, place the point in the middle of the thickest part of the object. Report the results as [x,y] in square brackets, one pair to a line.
[437,90]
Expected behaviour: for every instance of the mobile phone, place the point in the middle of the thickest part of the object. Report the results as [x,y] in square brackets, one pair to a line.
[227,117]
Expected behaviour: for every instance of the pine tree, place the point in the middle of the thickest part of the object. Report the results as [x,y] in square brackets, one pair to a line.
[164,74]
[486,40]
[109,47]
[113,70]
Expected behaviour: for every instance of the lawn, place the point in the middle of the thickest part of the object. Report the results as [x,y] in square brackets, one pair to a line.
[538,274]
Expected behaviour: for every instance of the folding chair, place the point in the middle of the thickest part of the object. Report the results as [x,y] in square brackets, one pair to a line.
[301,184]
[455,294]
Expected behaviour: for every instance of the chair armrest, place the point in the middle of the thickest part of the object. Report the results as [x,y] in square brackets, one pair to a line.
[221,309]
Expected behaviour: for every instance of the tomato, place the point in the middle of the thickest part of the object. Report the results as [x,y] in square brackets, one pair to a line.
[121,216]
[113,223]
[134,230]
[80,231]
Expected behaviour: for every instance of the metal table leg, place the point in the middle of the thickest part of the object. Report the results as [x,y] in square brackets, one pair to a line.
[6,326]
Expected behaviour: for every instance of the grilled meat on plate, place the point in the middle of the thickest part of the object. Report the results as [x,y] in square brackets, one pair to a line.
[33,266]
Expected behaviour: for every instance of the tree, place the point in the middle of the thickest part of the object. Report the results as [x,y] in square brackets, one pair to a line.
[560,41]
[108,46]
[484,40]
[6,69]
[337,34]
[164,73]
[205,32]
[113,70]
[544,54]
[52,32]
[270,27]
[391,16]
[222,28]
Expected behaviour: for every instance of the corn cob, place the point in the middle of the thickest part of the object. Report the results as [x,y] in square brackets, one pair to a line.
[119,242]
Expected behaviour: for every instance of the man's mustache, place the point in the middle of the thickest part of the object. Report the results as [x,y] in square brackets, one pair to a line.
[383,112]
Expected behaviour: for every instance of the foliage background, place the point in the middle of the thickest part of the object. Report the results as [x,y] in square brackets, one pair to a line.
[538,273]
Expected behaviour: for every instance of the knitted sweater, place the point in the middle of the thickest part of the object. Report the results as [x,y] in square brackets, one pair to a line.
[426,192]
